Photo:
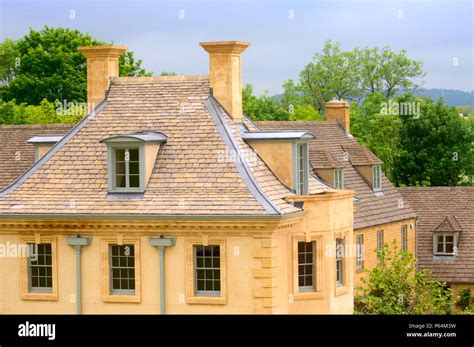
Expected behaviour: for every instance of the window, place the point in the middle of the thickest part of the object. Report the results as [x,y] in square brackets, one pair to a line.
[301,169]
[306,266]
[339,178]
[121,277]
[340,262]
[122,269]
[444,244]
[126,169]
[359,252]
[207,270]
[379,245]
[404,237]
[377,177]
[40,267]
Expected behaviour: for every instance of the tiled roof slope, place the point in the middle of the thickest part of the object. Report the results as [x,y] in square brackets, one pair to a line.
[189,176]
[16,155]
[371,209]
[446,208]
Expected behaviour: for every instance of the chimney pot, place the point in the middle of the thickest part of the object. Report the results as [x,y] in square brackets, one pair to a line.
[226,74]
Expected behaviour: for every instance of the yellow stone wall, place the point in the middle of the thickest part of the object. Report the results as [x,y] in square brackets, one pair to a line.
[258,264]
[391,231]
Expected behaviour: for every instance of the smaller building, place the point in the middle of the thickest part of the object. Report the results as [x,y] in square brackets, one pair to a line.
[445,232]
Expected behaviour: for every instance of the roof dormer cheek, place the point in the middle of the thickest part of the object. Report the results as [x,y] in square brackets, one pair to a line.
[286,154]
[131,159]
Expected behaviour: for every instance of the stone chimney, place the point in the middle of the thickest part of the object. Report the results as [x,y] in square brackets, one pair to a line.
[339,110]
[102,63]
[226,74]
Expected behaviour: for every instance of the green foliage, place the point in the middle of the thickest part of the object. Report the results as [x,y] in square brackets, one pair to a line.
[465,299]
[168,73]
[436,148]
[45,113]
[305,112]
[8,49]
[384,71]
[48,66]
[395,287]
[261,108]
[352,75]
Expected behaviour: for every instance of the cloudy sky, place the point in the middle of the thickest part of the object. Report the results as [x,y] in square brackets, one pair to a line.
[284,34]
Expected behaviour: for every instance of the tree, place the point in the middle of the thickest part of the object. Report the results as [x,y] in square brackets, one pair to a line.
[387,72]
[436,148]
[352,75]
[45,113]
[261,108]
[8,49]
[48,66]
[376,130]
[332,73]
[394,286]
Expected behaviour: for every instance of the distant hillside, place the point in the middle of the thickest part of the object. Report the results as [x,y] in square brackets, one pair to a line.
[452,97]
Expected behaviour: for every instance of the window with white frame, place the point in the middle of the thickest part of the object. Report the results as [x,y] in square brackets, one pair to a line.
[126,169]
[122,269]
[404,237]
[339,178]
[444,244]
[301,182]
[306,266]
[40,267]
[379,245]
[377,178]
[339,262]
[207,267]
[360,251]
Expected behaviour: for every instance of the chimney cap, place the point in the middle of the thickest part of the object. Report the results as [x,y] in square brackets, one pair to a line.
[337,103]
[102,51]
[225,46]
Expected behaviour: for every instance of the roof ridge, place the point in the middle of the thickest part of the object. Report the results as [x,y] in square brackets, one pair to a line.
[152,79]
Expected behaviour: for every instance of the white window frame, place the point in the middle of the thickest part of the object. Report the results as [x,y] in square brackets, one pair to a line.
[111,148]
[377,178]
[360,252]
[300,153]
[435,244]
[339,178]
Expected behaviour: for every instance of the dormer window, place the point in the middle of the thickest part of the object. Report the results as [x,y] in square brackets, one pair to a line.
[130,160]
[43,144]
[339,178]
[286,154]
[126,168]
[444,244]
[377,178]
[301,176]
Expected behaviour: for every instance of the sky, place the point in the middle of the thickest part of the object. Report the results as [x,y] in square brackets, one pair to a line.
[284,35]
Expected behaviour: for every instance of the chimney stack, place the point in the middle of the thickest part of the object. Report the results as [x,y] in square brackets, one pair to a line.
[339,110]
[102,63]
[226,74]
